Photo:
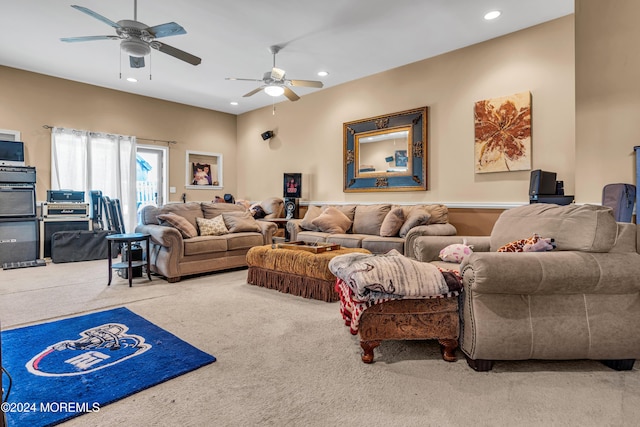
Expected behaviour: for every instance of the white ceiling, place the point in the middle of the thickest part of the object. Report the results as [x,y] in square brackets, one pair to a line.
[348,38]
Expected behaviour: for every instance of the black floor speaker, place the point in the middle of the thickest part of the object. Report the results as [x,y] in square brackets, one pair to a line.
[291,207]
[18,239]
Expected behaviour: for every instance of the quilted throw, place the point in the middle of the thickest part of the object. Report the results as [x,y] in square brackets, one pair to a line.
[391,275]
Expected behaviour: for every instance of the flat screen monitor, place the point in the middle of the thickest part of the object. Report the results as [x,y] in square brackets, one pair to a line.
[11,153]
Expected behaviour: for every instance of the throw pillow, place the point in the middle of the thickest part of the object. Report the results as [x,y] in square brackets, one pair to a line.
[332,221]
[313,212]
[392,223]
[182,224]
[368,219]
[212,227]
[416,217]
[237,222]
[455,253]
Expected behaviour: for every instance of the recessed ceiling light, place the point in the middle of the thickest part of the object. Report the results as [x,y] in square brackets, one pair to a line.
[233,103]
[492,15]
[132,79]
[323,73]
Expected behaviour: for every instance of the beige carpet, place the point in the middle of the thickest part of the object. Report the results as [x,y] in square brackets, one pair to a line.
[289,361]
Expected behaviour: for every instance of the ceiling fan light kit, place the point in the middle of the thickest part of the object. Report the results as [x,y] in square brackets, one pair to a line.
[137,39]
[274,90]
[274,82]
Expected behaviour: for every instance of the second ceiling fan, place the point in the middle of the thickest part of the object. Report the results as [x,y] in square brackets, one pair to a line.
[274,82]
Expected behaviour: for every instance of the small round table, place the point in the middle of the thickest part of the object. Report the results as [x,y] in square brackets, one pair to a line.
[128,238]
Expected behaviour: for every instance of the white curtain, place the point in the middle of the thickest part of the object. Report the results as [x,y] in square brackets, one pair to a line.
[87,161]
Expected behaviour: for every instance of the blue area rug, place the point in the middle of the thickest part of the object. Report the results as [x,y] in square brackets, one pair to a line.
[72,366]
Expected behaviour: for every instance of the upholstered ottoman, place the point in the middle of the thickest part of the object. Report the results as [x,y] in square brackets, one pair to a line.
[391,297]
[296,272]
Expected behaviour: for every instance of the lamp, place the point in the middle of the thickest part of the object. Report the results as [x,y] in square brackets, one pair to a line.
[274,90]
[135,47]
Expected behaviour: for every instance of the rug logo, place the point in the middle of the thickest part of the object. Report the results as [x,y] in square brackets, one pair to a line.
[98,348]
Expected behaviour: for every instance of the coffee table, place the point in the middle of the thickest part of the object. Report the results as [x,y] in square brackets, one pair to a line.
[297,272]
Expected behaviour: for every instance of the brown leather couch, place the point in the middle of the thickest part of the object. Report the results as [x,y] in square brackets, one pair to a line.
[578,301]
[174,256]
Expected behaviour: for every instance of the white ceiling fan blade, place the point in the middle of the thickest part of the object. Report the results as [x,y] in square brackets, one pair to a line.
[166,30]
[88,38]
[242,80]
[253,92]
[96,15]
[305,83]
[175,52]
[290,94]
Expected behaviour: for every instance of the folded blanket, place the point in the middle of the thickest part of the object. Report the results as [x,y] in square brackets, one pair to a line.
[390,276]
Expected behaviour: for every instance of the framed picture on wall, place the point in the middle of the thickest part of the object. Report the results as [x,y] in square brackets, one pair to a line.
[204,170]
[292,185]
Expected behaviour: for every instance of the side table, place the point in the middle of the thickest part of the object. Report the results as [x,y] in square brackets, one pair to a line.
[128,239]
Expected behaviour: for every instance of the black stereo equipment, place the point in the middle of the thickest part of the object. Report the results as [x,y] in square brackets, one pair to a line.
[17,200]
[542,182]
[18,240]
[65,209]
[55,196]
[21,174]
[556,199]
[291,208]
[48,226]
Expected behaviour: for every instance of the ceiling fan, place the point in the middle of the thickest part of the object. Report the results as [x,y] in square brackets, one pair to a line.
[274,82]
[137,39]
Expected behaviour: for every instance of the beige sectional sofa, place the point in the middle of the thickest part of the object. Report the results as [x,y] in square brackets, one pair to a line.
[580,300]
[199,237]
[375,227]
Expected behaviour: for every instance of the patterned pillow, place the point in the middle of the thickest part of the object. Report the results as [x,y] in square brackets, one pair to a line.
[182,224]
[455,253]
[212,227]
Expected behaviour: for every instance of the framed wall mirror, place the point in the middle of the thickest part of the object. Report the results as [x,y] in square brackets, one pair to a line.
[386,153]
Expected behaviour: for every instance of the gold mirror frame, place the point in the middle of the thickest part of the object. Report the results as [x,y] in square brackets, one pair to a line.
[396,164]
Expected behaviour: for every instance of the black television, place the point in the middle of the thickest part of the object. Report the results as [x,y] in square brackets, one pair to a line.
[11,153]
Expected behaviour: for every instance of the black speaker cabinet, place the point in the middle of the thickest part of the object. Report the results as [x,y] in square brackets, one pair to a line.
[291,208]
[18,239]
[17,201]
[50,226]
[542,182]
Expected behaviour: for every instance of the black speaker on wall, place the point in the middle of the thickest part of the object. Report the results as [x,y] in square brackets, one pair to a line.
[18,239]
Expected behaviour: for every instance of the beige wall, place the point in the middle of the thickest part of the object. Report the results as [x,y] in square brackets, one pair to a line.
[31,100]
[309,132]
[607,94]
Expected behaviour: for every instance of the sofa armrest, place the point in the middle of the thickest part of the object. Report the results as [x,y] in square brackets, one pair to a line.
[162,235]
[426,230]
[293,227]
[427,248]
[555,272]
[268,230]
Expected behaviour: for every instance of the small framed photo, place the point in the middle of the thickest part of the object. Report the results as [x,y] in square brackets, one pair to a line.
[292,185]
[204,170]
